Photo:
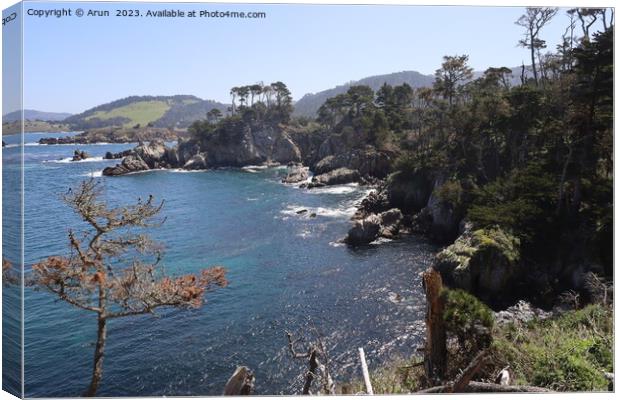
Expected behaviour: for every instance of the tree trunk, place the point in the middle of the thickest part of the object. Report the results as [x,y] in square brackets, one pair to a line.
[435,356]
[98,361]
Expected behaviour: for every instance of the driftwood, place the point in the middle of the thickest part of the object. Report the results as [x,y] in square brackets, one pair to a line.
[436,354]
[480,387]
[240,383]
[365,372]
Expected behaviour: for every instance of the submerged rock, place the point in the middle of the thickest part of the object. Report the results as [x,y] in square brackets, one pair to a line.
[484,262]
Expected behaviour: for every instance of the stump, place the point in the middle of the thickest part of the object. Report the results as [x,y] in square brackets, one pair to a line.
[435,354]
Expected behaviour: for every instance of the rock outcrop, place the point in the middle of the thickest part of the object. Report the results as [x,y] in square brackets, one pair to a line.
[390,223]
[364,231]
[144,157]
[522,312]
[245,145]
[410,193]
[367,161]
[132,163]
[338,176]
[374,203]
[80,155]
[484,262]
[115,156]
[296,174]
[197,162]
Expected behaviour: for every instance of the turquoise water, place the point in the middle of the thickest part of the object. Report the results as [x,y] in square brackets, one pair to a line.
[286,272]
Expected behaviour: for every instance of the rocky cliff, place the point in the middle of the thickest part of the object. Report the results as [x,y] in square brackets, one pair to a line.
[331,160]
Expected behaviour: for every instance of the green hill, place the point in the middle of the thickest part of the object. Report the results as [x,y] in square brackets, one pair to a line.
[157,111]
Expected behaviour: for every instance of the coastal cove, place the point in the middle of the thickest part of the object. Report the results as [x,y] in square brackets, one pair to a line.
[287,271]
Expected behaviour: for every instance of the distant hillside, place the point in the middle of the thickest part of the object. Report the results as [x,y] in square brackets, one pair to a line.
[157,111]
[34,115]
[309,104]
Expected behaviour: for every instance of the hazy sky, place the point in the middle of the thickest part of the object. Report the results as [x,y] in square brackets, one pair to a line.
[71,63]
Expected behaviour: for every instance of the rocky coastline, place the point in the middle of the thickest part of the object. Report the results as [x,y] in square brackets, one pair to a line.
[485,262]
[115,135]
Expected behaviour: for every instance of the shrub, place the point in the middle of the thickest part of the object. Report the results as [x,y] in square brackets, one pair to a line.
[468,319]
[450,193]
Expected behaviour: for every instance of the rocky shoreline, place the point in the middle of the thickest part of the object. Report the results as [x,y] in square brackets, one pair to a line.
[115,135]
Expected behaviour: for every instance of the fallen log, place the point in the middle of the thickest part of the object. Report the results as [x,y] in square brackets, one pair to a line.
[485,387]
[462,380]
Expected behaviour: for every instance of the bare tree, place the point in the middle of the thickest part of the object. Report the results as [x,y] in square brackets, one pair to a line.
[600,289]
[316,368]
[534,19]
[105,272]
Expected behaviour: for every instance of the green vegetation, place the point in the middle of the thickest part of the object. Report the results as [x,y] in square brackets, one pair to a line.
[176,112]
[568,353]
[468,320]
[138,113]
[537,157]
[252,106]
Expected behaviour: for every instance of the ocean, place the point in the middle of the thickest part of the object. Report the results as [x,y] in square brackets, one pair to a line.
[287,272]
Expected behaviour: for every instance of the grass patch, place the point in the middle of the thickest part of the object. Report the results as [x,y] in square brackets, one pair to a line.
[141,112]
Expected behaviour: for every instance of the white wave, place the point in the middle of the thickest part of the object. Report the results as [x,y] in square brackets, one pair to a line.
[381,240]
[10,146]
[79,144]
[254,168]
[336,189]
[337,243]
[296,210]
[95,174]
[184,171]
[69,160]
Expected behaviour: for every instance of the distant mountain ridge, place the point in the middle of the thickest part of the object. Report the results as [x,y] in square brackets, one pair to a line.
[310,103]
[34,115]
[157,111]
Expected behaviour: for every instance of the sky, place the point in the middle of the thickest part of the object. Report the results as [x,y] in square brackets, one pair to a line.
[72,64]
